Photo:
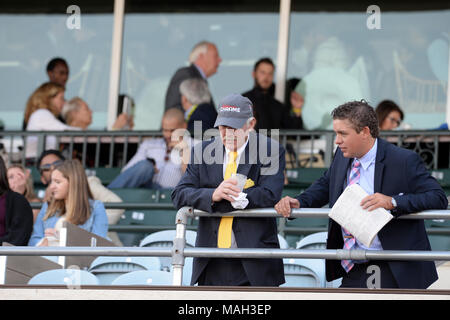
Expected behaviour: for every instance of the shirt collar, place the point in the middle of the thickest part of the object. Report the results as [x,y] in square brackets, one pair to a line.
[370,156]
[240,150]
[201,71]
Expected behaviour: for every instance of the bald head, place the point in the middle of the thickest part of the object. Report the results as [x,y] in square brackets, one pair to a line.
[174,114]
[172,120]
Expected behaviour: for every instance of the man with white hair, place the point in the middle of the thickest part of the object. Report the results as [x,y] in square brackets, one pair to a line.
[205,60]
[196,102]
[209,185]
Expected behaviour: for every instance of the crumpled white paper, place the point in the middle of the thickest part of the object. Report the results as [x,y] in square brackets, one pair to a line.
[240,202]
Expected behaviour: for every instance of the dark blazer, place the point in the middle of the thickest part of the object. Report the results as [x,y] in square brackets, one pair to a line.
[198,184]
[18,220]
[271,113]
[401,174]
[206,113]
[173,95]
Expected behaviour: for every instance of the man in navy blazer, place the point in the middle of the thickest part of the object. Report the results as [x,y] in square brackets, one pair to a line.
[205,60]
[398,182]
[199,113]
[203,187]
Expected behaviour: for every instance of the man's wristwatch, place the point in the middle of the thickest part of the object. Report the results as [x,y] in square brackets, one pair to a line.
[394,203]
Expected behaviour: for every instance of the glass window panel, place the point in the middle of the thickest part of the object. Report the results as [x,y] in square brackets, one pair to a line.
[28,42]
[156,45]
[341,59]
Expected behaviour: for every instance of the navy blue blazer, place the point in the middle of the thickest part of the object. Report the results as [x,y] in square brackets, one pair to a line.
[198,184]
[206,113]
[173,95]
[401,174]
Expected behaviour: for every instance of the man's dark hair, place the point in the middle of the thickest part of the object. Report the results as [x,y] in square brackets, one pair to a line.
[54,62]
[46,153]
[360,114]
[263,60]
[4,184]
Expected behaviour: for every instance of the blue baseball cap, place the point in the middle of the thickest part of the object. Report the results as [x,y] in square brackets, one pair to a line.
[234,111]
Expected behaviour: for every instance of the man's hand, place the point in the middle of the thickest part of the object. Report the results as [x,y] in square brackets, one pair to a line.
[225,190]
[377,200]
[285,205]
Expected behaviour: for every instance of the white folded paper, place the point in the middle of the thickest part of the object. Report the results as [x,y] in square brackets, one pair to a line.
[364,225]
[240,202]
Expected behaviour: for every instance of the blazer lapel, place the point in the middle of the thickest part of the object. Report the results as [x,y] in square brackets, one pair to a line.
[379,166]
[341,175]
[248,158]
[215,169]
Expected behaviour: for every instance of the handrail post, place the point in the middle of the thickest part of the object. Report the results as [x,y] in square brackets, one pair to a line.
[179,243]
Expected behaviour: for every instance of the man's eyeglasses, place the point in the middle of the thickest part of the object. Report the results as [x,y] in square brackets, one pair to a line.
[50,166]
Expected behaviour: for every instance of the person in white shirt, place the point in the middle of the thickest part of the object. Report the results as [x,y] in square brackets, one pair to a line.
[41,114]
[157,163]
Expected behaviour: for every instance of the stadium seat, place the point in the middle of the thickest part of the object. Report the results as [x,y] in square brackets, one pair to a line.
[164,196]
[316,240]
[304,177]
[137,195]
[165,239]
[67,277]
[106,175]
[283,243]
[107,268]
[300,273]
[154,217]
[147,277]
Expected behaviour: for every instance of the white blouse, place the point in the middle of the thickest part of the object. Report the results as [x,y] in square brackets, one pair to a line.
[43,120]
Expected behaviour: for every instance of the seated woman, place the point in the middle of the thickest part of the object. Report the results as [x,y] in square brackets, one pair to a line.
[16,217]
[43,108]
[20,181]
[72,202]
[389,115]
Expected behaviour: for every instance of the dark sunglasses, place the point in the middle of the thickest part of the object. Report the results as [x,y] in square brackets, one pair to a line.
[50,166]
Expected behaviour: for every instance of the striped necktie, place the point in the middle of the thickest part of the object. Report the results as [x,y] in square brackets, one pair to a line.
[349,240]
[226,223]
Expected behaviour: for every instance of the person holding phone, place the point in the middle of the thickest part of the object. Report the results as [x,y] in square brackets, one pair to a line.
[157,162]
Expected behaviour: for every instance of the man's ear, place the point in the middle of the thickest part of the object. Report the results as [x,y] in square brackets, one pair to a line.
[253,74]
[366,132]
[252,123]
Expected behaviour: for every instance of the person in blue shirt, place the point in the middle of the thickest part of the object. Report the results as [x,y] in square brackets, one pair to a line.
[71,201]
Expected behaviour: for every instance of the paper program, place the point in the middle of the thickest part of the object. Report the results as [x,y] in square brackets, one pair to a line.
[361,223]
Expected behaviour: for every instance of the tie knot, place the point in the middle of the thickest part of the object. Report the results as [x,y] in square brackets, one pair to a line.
[232,156]
[356,163]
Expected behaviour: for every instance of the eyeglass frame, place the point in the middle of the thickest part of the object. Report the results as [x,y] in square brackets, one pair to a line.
[50,166]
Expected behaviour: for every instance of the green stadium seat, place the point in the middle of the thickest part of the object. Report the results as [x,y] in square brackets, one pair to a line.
[159,218]
[304,177]
[137,195]
[106,175]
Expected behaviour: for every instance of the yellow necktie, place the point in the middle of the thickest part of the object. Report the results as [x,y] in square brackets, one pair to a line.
[225,227]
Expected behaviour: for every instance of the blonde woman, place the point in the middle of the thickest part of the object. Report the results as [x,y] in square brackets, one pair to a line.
[71,202]
[20,181]
[41,114]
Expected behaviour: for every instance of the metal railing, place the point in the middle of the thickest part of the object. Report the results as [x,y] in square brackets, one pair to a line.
[282,228]
[113,148]
[179,251]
